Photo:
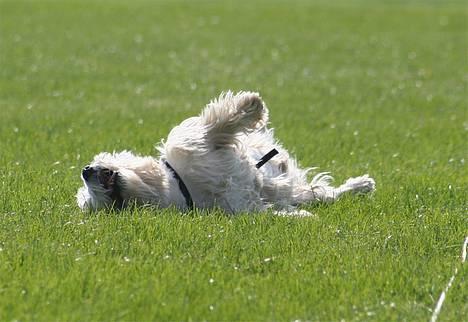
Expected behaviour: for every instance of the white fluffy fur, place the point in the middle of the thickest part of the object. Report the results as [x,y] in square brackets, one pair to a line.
[215,155]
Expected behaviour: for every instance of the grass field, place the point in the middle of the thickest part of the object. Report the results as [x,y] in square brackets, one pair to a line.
[353,87]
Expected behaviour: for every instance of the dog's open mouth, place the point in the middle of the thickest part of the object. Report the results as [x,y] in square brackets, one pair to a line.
[106,178]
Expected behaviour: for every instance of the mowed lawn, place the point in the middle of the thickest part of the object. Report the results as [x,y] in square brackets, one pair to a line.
[353,87]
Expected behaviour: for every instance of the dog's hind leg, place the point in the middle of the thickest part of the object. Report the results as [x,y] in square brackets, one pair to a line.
[283,191]
[231,114]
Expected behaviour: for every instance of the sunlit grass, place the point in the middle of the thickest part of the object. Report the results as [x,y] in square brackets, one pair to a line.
[353,88]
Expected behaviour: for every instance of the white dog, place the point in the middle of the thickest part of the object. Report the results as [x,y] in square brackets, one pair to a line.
[225,158]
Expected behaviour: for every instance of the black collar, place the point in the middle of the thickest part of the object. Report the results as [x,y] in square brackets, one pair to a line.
[267,157]
[182,186]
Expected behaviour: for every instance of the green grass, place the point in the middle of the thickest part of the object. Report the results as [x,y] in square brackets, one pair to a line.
[353,87]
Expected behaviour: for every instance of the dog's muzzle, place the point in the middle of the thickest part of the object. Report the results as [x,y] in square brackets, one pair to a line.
[87,172]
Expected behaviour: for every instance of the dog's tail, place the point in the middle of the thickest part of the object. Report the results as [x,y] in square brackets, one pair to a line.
[231,114]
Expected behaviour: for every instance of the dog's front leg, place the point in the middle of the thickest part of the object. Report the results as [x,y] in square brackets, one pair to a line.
[231,114]
[322,191]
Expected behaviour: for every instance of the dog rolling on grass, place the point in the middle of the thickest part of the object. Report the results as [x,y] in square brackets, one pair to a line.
[224,158]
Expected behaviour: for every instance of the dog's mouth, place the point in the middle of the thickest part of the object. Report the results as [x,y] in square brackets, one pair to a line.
[105,177]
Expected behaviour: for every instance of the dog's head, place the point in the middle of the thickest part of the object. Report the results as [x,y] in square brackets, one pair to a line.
[101,187]
[114,180]
[104,181]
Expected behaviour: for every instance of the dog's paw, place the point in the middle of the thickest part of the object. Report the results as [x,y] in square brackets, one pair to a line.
[249,103]
[300,213]
[362,184]
[250,110]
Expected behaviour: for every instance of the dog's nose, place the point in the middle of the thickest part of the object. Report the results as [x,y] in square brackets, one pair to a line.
[87,172]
